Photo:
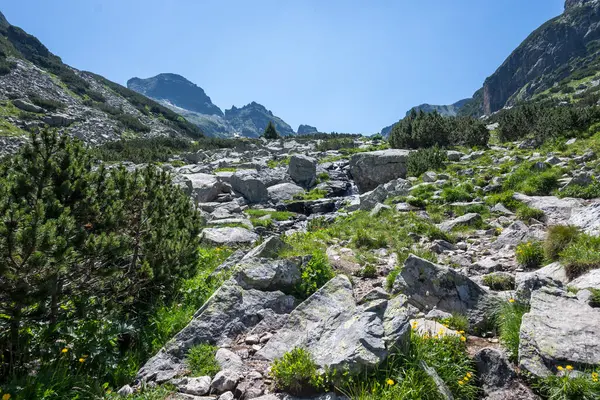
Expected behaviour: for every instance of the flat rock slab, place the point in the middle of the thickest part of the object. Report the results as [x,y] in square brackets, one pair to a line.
[557,211]
[337,332]
[559,330]
[230,236]
[471,219]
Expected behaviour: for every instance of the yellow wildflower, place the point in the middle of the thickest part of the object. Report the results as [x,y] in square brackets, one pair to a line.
[466,379]
[64,350]
[463,339]
[569,367]
[594,375]
[390,382]
[511,300]
[82,360]
[559,368]
[6,396]
[461,332]
[461,382]
[469,374]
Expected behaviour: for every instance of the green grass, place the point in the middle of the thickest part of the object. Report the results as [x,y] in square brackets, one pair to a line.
[265,223]
[402,377]
[530,254]
[558,238]
[226,169]
[508,320]
[591,191]
[278,163]
[458,322]
[525,179]
[8,129]
[526,213]
[201,360]
[581,255]
[314,274]
[595,299]
[569,386]
[314,194]
[276,215]
[296,373]
[499,282]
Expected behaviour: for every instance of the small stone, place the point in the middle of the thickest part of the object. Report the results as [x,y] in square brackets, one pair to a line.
[225,381]
[125,391]
[252,339]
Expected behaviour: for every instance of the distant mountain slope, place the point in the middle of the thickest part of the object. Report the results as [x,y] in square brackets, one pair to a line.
[565,48]
[37,88]
[252,119]
[185,98]
[451,110]
[177,90]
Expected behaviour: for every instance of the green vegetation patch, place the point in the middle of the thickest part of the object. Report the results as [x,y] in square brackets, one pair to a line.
[201,360]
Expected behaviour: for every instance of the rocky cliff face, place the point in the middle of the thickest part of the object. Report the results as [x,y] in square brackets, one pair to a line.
[177,90]
[37,89]
[562,46]
[252,119]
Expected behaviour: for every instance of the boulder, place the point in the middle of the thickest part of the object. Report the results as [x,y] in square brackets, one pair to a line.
[27,106]
[229,236]
[337,188]
[518,232]
[590,279]
[497,377]
[587,218]
[262,274]
[227,359]
[231,311]
[283,191]
[558,330]
[205,187]
[198,386]
[58,120]
[556,210]
[250,185]
[552,275]
[372,169]
[270,248]
[308,207]
[303,170]
[224,381]
[430,286]
[338,333]
[397,187]
[471,219]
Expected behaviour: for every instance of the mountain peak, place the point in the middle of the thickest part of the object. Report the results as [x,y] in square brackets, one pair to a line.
[577,3]
[176,90]
[3,22]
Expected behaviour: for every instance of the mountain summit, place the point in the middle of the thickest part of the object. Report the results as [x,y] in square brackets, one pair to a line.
[177,90]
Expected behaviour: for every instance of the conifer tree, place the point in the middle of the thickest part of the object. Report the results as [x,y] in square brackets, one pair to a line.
[270,132]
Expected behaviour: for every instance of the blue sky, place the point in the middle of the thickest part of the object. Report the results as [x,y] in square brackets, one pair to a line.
[340,65]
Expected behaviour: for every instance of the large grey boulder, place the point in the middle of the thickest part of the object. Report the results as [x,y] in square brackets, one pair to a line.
[205,187]
[262,274]
[250,185]
[27,106]
[303,170]
[230,236]
[552,275]
[338,333]
[558,330]
[518,232]
[430,286]
[497,377]
[227,359]
[556,210]
[587,218]
[231,311]
[397,187]
[471,219]
[270,248]
[371,169]
[198,386]
[283,191]
[590,279]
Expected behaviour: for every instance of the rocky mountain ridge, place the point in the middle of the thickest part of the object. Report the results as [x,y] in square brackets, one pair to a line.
[189,100]
[38,89]
[562,50]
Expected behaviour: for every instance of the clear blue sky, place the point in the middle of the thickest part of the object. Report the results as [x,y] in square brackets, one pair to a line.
[340,65]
